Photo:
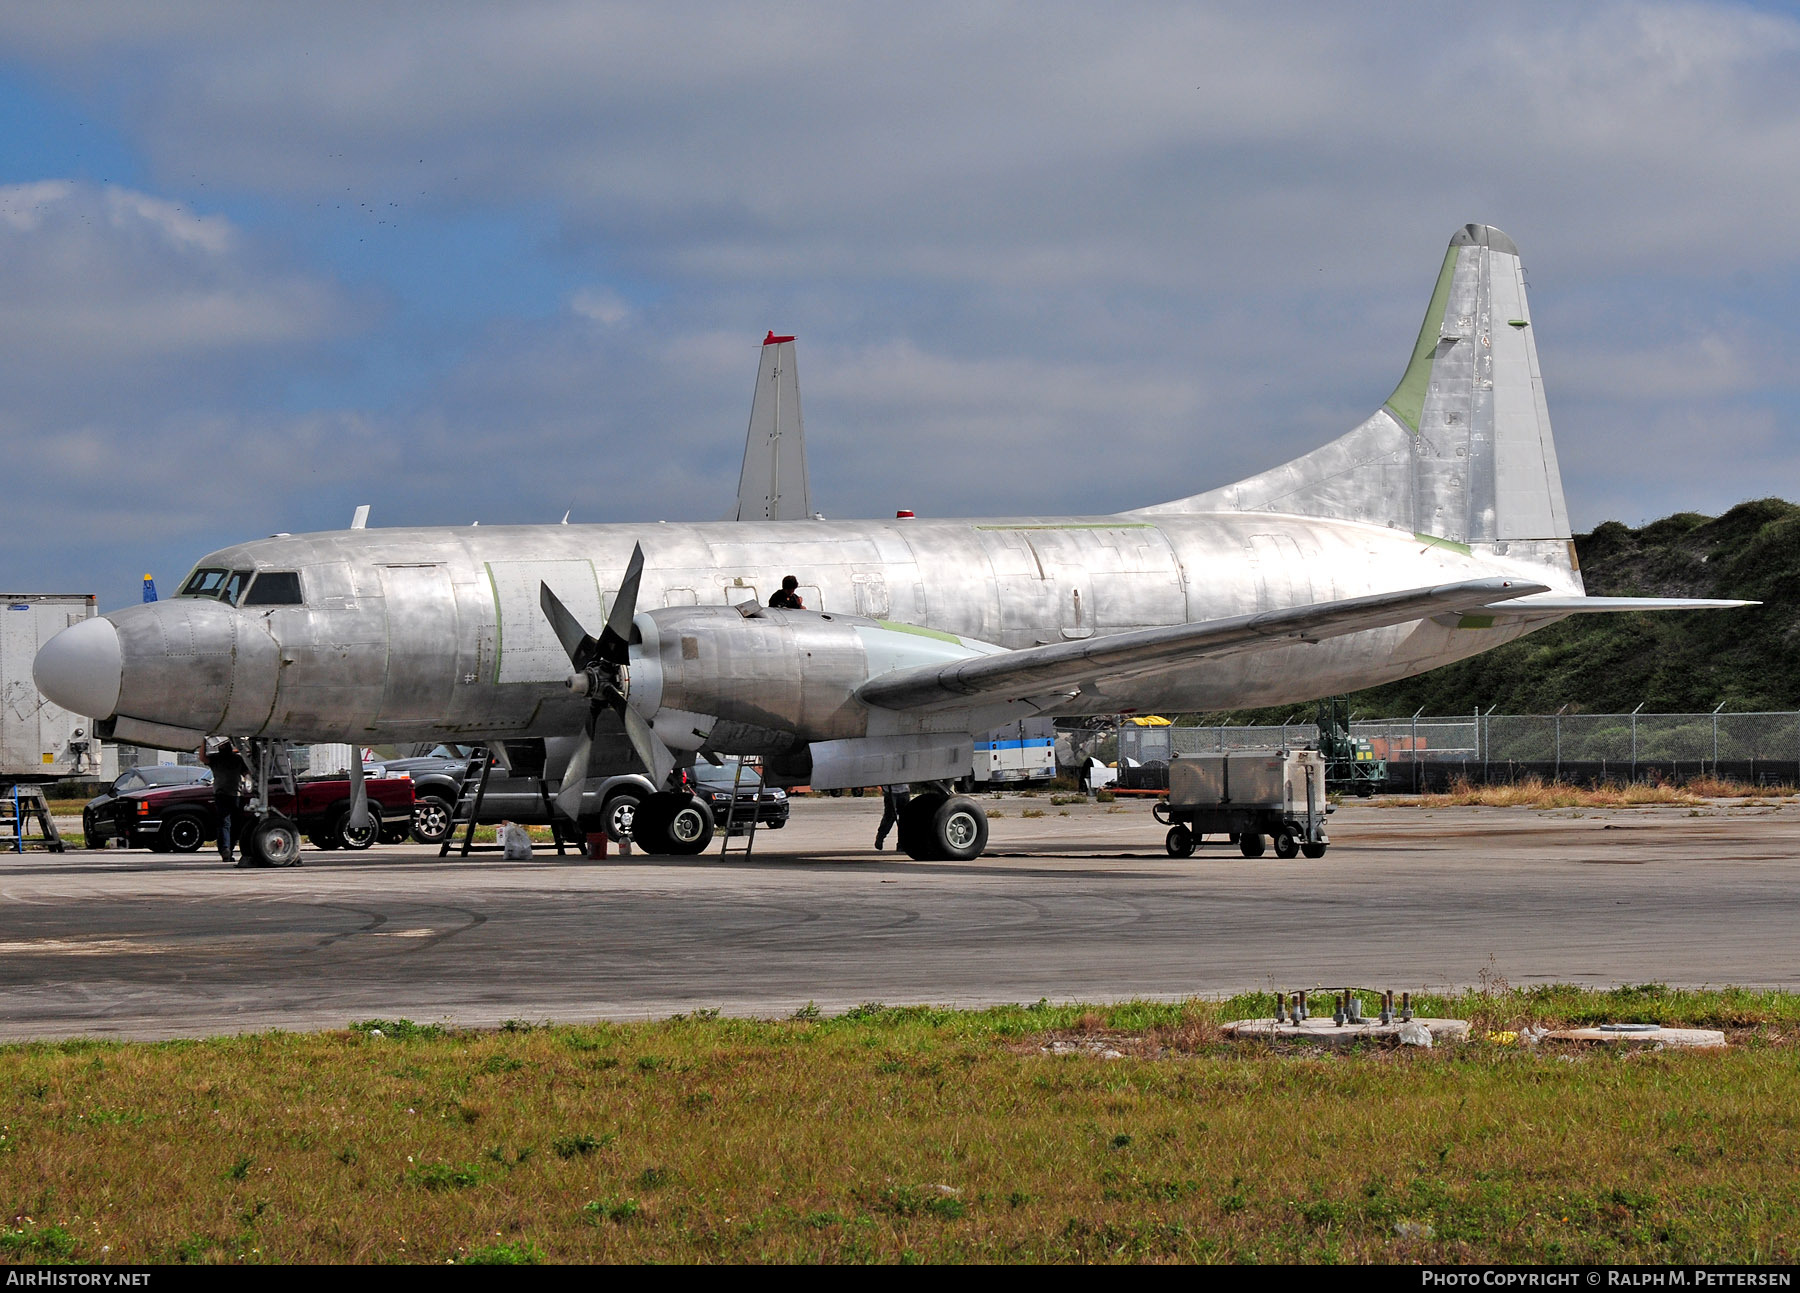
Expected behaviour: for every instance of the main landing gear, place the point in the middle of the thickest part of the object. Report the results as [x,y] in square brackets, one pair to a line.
[672,822]
[936,826]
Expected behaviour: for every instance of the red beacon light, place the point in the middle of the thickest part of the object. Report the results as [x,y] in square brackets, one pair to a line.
[904,514]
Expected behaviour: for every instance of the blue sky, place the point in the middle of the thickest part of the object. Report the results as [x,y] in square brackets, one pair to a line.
[264,263]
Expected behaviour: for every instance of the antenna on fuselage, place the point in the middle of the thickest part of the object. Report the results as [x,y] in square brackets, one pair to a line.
[361,520]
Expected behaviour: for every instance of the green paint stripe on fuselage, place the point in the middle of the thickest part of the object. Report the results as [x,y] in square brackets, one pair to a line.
[499,627]
[1433,541]
[1082,525]
[939,634]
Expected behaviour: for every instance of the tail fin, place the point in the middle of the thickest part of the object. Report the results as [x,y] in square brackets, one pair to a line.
[1462,449]
[773,484]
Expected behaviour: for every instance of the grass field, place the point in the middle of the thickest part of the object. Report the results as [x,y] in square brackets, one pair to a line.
[1535,792]
[913,1134]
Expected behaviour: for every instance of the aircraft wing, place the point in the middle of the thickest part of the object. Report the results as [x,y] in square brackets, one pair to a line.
[1046,671]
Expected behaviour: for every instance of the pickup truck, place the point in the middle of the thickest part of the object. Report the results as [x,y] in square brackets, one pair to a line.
[181,818]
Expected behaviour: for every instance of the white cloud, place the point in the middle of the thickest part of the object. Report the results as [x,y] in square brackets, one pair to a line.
[1007,144]
[98,277]
[602,305]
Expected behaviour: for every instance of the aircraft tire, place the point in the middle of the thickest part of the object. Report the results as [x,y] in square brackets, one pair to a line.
[272,841]
[1313,850]
[648,823]
[690,828]
[959,830]
[670,823]
[915,826]
[1179,841]
[1287,845]
[1251,846]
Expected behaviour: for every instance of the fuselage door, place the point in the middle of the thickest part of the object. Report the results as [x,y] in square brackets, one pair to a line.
[871,592]
[1062,555]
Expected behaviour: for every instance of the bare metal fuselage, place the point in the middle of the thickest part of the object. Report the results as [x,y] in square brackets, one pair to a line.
[416,634]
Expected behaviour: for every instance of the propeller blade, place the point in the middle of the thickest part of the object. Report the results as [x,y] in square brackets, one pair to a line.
[574,638]
[568,798]
[649,746]
[615,639]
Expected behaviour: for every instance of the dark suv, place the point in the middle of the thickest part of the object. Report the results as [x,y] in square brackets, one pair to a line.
[714,785]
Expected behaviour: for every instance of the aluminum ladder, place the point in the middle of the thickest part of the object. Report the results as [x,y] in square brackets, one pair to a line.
[731,813]
[20,804]
[467,814]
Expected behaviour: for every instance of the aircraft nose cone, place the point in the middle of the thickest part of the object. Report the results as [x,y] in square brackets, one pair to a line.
[81,668]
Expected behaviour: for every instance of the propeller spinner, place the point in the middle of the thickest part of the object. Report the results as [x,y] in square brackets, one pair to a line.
[603,675]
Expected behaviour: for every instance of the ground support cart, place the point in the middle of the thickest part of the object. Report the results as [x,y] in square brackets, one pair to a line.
[1249,796]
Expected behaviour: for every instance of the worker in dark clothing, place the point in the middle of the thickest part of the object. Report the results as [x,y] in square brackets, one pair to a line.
[787,598]
[228,769]
[893,799]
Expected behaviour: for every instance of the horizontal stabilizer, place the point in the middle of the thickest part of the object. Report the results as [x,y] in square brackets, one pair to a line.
[1056,669]
[1555,605]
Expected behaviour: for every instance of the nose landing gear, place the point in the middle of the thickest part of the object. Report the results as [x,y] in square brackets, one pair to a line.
[270,838]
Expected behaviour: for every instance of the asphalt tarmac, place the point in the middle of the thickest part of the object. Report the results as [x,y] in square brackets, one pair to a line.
[1084,906]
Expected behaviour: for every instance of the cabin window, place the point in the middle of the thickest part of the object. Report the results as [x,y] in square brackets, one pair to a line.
[275,588]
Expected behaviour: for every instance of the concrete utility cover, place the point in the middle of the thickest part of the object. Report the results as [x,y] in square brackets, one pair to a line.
[1640,1037]
[1319,1031]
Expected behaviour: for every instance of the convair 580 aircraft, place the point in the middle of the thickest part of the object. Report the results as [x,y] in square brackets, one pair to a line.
[1433,531]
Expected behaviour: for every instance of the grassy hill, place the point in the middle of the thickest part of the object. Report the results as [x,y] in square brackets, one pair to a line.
[1670,662]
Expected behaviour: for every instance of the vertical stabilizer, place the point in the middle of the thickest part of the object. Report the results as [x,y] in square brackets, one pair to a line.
[773,485]
[1462,449]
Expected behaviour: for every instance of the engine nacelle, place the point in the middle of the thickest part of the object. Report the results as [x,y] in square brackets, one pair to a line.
[711,677]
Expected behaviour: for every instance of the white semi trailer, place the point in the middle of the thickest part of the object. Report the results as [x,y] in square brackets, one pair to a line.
[39,741]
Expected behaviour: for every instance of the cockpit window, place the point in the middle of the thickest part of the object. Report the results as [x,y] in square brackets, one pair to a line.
[275,588]
[205,583]
[234,586]
[221,585]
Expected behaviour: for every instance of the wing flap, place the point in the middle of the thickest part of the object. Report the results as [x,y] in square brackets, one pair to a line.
[1540,605]
[1058,668]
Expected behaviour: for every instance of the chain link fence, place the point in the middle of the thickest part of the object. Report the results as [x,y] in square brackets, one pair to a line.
[1430,752]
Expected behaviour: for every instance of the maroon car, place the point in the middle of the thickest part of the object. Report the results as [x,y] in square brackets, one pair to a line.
[181,818]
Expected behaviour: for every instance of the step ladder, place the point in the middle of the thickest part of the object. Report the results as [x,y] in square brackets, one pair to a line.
[467,815]
[19,806]
[732,814]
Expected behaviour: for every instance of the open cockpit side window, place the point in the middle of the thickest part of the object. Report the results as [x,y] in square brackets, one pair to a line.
[205,582]
[220,585]
[235,585]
